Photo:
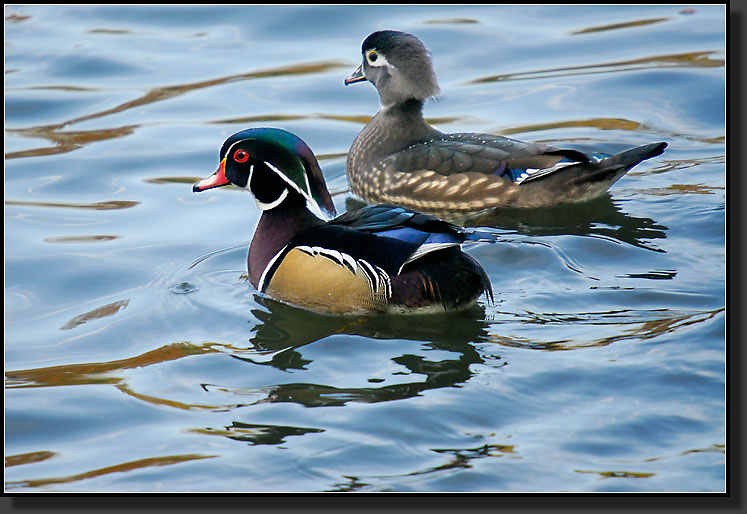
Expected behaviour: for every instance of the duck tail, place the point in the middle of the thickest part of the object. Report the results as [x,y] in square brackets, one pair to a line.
[583,180]
[611,169]
[630,158]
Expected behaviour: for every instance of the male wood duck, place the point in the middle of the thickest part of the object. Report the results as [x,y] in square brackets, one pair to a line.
[377,259]
[399,158]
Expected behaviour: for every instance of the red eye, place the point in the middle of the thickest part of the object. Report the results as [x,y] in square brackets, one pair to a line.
[240,155]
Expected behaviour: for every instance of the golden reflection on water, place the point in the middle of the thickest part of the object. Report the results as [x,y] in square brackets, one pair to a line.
[599,123]
[668,323]
[80,239]
[426,369]
[166,460]
[97,373]
[624,25]
[690,59]
[426,374]
[618,474]
[16,18]
[89,373]
[361,120]
[27,458]
[99,206]
[101,312]
[65,141]
[451,21]
[155,400]
[68,141]
[714,448]
[690,189]
[110,31]
[172,180]
[678,164]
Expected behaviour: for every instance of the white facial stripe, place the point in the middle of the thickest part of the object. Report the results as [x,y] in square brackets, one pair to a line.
[287,180]
[230,149]
[249,180]
[312,202]
[267,206]
[273,168]
[264,206]
[315,207]
[228,156]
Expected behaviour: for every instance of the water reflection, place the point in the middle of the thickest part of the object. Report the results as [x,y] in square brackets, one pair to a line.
[98,313]
[15,18]
[68,141]
[596,123]
[109,395]
[98,206]
[257,434]
[99,372]
[65,141]
[460,458]
[623,25]
[98,238]
[282,326]
[167,460]
[27,458]
[597,217]
[630,325]
[451,21]
[690,59]
[617,474]
[283,330]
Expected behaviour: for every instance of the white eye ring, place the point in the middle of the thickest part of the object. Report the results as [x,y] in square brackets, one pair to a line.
[378,59]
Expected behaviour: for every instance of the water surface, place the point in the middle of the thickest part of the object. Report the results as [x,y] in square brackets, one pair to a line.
[138,357]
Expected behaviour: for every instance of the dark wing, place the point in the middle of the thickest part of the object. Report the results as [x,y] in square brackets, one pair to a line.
[381,236]
[386,236]
[385,218]
[415,227]
[480,153]
[388,254]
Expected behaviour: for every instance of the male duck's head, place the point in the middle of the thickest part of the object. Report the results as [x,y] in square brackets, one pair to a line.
[274,165]
[398,65]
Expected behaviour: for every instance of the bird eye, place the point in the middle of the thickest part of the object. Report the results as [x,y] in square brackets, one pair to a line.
[240,155]
[372,56]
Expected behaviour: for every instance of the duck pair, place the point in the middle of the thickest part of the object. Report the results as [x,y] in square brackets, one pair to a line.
[387,257]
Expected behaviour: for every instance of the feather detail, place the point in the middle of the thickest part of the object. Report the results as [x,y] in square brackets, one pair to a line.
[323,280]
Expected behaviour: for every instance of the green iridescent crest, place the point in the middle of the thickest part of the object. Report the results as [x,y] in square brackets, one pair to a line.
[291,157]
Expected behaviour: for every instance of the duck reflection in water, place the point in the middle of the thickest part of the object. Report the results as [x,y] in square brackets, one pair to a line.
[284,329]
[600,216]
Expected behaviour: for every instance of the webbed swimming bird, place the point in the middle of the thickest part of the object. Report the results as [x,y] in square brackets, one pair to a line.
[399,158]
[377,259]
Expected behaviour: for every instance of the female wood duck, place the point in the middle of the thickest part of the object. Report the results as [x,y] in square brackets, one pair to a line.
[399,158]
[379,258]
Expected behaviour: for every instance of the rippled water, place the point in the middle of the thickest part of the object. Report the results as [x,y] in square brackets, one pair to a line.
[139,358]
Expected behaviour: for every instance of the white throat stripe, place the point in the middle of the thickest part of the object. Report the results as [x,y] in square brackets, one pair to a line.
[267,206]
